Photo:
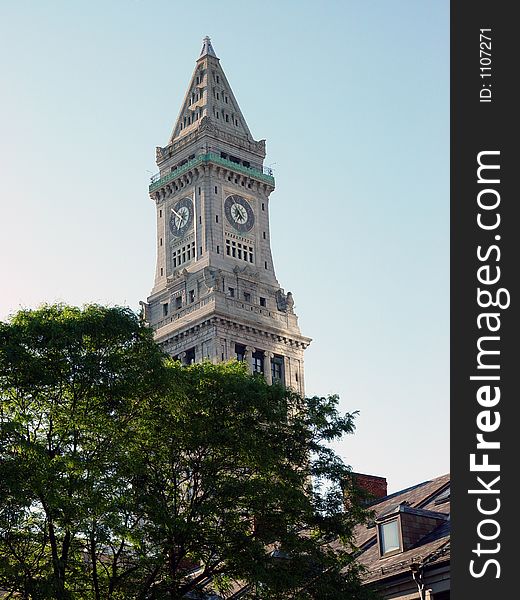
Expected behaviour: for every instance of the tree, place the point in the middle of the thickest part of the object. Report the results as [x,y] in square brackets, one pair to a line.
[127,475]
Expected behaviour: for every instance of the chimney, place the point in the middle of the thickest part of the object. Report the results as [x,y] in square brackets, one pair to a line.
[375,487]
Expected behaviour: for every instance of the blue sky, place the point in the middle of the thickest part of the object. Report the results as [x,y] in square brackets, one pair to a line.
[353,100]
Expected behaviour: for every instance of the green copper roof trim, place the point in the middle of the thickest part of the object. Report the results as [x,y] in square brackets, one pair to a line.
[214,158]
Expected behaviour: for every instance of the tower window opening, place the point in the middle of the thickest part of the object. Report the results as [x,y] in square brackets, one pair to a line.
[227,118]
[277,368]
[181,255]
[231,292]
[161,271]
[218,249]
[200,219]
[165,309]
[258,361]
[247,297]
[263,206]
[200,250]
[192,296]
[264,235]
[190,356]
[178,302]
[218,98]
[216,190]
[216,218]
[226,99]
[265,264]
[160,241]
[218,79]
[199,191]
[263,301]
[160,212]
[240,351]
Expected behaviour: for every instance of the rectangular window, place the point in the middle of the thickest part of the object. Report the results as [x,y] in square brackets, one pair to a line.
[264,235]
[247,296]
[216,190]
[160,212]
[192,295]
[265,264]
[160,241]
[277,368]
[263,301]
[263,206]
[216,218]
[218,249]
[231,292]
[200,250]
[190,356]
[240,351]
[165,309]
[161,271]
[178,302]
[258,361]
[389,537]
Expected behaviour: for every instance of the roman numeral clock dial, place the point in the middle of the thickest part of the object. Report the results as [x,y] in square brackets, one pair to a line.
[239,213]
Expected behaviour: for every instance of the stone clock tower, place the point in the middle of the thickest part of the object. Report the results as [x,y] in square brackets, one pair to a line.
[216,296]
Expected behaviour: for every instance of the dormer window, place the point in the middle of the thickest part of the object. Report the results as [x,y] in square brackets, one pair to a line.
[389,537]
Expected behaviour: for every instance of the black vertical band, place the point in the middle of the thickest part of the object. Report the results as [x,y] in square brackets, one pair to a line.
[485,256]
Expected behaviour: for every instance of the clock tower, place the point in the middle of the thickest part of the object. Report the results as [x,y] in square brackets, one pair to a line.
[216,296]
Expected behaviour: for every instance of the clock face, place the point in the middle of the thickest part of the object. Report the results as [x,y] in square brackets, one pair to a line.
[239,213]
[181,217]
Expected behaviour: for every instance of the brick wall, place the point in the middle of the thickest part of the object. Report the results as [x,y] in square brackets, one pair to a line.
[373,485]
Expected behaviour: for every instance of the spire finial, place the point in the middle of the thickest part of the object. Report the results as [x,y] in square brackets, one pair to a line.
[207,48]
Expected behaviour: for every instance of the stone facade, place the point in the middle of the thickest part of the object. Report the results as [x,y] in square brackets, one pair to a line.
[216,296]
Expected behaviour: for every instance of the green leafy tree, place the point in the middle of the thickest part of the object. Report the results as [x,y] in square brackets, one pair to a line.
[127,475]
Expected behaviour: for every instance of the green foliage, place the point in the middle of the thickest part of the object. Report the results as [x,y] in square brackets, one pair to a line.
[126,475]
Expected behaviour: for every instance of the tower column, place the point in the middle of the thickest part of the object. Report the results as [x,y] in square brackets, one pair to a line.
[267,367]
[248,358]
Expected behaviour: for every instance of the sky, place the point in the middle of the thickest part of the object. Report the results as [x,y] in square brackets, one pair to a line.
[352,97]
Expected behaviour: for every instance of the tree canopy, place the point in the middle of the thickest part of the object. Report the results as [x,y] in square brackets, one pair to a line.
[124,474]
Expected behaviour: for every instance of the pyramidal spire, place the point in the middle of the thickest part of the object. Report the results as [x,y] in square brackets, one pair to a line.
[209,99]
[207,48]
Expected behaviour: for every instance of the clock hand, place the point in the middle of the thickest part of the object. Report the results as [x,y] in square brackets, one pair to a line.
[176,213]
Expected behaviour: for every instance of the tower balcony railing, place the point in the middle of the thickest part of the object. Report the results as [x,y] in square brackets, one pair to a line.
[264,174]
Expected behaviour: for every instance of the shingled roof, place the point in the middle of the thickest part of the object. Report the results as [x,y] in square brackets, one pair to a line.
[434,548]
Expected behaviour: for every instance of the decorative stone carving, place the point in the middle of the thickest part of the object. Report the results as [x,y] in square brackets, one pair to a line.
[213,279]
[144,313]
[281,300]
[289,301]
